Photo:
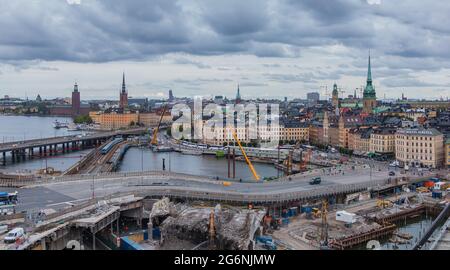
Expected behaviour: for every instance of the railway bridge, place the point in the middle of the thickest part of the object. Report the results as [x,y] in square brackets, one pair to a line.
[51,146]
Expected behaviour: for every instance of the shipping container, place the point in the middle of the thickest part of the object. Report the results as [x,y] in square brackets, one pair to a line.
[156,233]
[345,217]
[429,184]
[437,194]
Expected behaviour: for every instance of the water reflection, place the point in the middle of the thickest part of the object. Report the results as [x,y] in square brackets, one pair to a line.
[138,159]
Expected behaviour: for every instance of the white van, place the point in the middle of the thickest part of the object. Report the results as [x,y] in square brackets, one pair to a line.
[14,235]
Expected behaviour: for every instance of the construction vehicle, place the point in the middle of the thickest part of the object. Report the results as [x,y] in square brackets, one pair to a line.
[383,203]
[422,190]
[249,163]
[316,212]
[154,141]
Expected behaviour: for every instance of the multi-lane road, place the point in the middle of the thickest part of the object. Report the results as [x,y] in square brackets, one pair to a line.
[75,189]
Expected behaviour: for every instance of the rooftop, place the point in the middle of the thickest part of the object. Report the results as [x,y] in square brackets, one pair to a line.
[420,131]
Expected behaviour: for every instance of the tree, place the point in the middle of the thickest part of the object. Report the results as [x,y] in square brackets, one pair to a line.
[132,123]
[83,119]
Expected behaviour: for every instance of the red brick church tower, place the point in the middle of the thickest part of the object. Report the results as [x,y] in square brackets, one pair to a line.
[123,95]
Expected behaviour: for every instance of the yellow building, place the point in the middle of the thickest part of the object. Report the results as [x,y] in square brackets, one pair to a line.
[346,123]
[295,132]
[112,121]
[420,147]
[382,141]
[152,119]
[359,140]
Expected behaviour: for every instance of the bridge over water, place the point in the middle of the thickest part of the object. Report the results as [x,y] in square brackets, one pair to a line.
[50,146]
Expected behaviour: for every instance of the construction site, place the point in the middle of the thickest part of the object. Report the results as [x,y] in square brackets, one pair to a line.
[320,203]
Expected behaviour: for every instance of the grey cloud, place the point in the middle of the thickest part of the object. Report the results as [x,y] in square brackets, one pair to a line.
[186,61]
[409,82]
[403,33]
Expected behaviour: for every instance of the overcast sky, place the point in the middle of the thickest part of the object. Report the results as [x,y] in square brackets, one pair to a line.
[272,48]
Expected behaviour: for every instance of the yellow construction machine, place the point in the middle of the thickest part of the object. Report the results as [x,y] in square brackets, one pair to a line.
[383,203]
[154,141]
[249,163]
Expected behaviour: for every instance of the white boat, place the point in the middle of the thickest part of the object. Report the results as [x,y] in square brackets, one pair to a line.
[58,125]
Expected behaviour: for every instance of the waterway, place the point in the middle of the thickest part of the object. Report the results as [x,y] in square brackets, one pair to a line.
[18,128]
[143,159]
[416,227]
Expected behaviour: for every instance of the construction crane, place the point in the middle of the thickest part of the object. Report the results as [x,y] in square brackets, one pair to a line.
[249,163]
[324,227]
[305,160]
[212,231]
[154,141]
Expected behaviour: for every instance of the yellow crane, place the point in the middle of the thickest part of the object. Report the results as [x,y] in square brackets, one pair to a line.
[249,163]
[154,141]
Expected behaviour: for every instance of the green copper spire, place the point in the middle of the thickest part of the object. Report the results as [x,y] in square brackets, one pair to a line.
[369,91]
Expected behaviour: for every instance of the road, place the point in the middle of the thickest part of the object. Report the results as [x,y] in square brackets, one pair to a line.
[56,195]
[4,147]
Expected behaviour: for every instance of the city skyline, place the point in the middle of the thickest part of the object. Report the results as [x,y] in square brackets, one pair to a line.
[203,48]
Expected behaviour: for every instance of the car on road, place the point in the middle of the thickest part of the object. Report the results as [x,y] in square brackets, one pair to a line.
[315,181]
[14,235]
[391,173]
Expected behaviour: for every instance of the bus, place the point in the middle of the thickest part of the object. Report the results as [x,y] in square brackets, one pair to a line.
[8,198]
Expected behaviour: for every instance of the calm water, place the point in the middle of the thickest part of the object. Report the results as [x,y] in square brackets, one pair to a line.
[137,158]
[415,227]
[59,163]
[19,128]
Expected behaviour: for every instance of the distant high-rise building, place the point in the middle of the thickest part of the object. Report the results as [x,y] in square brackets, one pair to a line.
[38,98]
[369,95]
[171,97]
[76,102]
[123,103]
[313,97]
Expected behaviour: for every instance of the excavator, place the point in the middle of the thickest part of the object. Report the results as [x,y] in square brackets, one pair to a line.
[154,141]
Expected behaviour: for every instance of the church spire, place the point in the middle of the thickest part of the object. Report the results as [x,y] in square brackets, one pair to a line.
[369,72]
[124,88]
[369,90]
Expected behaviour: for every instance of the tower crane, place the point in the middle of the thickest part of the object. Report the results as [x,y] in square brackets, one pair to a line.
[212,231]
[324,227]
